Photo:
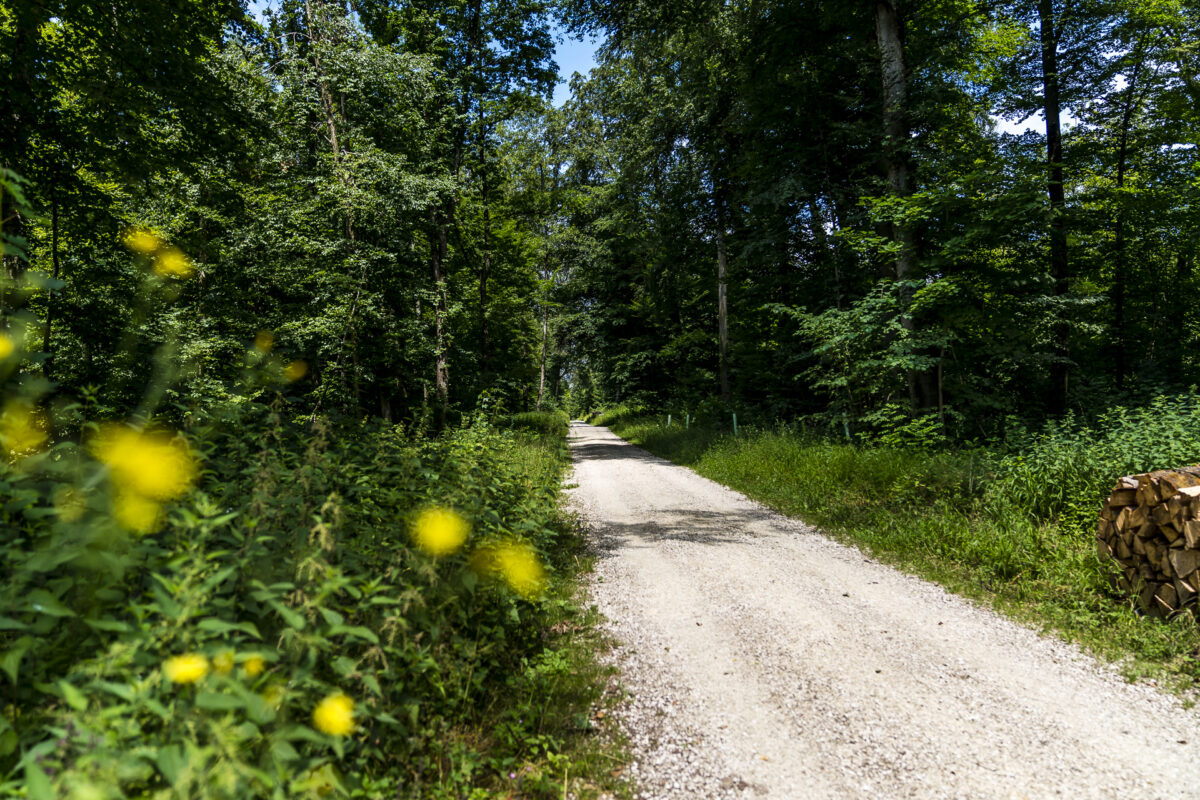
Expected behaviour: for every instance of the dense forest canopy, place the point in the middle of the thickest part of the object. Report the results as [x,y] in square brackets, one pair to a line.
[817,210]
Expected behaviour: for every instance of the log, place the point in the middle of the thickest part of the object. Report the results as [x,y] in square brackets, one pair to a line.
[1150,526]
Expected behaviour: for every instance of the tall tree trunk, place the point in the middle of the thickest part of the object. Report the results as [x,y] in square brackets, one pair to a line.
[1060,371]
[486,261]
[1119,264]
[889,36]
[545,338]
[722,297]
[440,249]
[47,340]
[19,117]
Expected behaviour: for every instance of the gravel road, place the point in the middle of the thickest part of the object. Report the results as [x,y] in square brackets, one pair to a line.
[762,659]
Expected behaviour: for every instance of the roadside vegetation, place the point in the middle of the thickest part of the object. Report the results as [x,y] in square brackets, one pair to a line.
[1012,524]
[332,610]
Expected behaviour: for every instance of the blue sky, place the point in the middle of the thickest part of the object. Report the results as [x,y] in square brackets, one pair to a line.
[571,56]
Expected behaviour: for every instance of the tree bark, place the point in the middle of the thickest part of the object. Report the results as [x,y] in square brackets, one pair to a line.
[722,297]
[1119,264]
[1059,256]
[542,371]
[47,340]
[486,261]
[889,36]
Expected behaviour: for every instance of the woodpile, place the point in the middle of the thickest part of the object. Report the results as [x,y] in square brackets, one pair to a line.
[1151,525]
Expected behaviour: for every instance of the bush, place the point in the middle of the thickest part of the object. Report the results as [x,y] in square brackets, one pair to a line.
[286,577]
[1064,472]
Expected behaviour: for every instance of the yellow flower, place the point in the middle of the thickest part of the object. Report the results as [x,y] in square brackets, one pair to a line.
[172,263]
[7,346]
[519,565]
[222,662]
[22,429]
[295,371]
[154,465]
[187,668]
[137,513]
[334,715]
[264,341]
[253,666]
[440,531]
[142,241]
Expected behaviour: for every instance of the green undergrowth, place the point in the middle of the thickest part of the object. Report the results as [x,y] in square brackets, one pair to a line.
[286,575]
[1011,525]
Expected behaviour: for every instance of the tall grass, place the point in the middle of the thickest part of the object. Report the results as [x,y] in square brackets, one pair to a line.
[1010,525]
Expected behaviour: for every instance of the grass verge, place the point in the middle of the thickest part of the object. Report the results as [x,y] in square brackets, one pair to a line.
[943,516]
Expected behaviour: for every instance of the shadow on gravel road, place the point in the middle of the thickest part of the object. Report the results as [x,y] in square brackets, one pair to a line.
[680,525]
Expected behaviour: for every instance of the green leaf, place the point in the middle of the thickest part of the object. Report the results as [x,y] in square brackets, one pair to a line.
[10,662]
[214,625]
[43,602]
[356,631]
[215,701]
[74,698]
[170,761]
[109,624]
[290,617]
[37,782]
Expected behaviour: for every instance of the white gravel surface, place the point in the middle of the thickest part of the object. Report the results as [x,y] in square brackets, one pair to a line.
[762,659]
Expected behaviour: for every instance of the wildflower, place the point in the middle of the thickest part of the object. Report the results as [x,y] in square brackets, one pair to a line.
[295,371]
[137,513]
[154,465]
[222,662]
[334,715]
[253,666]
[7,346]
[172,263]
[264,341]
[142,241]
[22,429]
[439,531]
[517,563]
[187,668]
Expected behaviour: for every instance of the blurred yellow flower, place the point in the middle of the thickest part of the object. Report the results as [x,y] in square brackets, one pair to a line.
[440,531]
[222,662]
[264,341]
[518,563]
[173,263]
[187,668]
[155,465]
[23,429]
[142,241]
[7,346]
[137,513]
[334,715]
[295,371]
[253,666]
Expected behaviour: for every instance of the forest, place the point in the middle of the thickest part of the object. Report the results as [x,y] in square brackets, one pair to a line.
[284,281]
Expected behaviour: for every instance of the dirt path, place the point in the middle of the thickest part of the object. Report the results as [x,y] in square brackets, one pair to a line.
[763,659]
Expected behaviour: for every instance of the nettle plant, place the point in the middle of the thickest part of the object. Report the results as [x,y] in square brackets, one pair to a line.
[239,606]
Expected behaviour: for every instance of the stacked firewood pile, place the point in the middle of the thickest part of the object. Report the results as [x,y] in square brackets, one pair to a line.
[1151,525]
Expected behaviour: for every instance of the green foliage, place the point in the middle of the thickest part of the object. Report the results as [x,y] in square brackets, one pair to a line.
[294,550]
[1065,471]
